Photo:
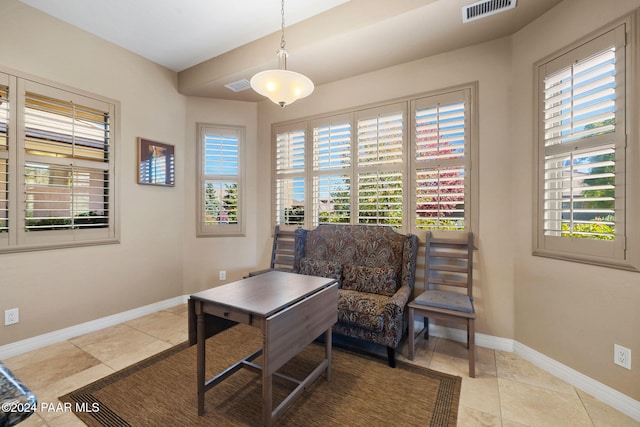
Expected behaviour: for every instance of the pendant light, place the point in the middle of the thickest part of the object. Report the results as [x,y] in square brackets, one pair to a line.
[282,86]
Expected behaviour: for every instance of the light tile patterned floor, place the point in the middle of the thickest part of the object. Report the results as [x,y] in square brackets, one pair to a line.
[507,391]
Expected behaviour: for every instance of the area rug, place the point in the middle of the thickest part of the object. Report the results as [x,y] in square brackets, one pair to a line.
[363,391]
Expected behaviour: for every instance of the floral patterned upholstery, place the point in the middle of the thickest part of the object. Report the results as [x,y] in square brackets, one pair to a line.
[378,268]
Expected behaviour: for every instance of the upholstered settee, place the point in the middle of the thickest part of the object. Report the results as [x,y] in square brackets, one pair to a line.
[375,267]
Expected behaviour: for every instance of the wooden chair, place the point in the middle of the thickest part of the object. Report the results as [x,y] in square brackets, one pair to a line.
[282,252]
[448,289]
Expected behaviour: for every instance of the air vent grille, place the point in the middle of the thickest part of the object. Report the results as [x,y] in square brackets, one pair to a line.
[485,8]
[238,86]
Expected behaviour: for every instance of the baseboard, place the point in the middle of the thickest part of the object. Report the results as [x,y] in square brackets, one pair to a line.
[482,340]
[611,397]
[608,395]
[30,344]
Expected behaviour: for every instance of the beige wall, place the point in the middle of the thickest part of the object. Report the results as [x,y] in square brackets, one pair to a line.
[489,64]
[205,257]
[55,289]
[571,312]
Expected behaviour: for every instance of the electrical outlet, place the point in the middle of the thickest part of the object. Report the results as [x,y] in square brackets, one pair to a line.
[222,275]
[622,356]
[11,316]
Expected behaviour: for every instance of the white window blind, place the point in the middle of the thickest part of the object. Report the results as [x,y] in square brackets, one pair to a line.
[380,154]
[332,199]
[332,170]
[406,164]
[66,177]
[4,157]
[380,139]
[579,140]
[290,175]
[221,179]
[441,161]
[332,146]
[584,195]
[220,163]
[380,198]
[57,169]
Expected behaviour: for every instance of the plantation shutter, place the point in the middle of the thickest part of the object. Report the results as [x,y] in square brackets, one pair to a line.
[221,172]
[582,110]
[332,170]
[68,169]
[290,175]
[4,157]
[380,159]
[440,169]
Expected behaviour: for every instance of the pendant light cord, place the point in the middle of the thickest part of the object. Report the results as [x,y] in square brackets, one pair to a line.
[282,42]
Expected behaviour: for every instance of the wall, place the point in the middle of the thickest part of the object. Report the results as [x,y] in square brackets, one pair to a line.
[571,312]
[55,289]
[205,257]
[488,64]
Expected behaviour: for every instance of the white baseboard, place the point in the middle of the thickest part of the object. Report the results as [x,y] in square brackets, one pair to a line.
[611,397]
[30,344]
[482,340]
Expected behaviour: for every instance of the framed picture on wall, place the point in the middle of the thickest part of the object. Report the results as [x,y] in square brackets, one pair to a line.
[156,163]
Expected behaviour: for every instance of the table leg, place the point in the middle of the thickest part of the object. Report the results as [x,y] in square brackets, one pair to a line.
[200,358]
[411,333]
[327,351]
[267,387]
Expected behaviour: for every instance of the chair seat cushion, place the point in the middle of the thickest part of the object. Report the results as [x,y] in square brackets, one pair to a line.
[446,300]
[362,309]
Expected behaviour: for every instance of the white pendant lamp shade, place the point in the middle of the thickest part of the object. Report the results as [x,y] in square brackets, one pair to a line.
[283,87]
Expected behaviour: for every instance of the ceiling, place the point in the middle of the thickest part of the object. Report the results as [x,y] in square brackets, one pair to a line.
[211,43]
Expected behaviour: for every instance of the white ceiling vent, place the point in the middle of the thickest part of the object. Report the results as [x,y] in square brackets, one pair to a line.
[239,86]
[481,9]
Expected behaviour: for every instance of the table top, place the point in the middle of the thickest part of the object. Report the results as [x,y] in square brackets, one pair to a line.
[264,294]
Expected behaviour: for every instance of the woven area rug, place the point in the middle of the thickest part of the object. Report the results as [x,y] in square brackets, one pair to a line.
[364,390]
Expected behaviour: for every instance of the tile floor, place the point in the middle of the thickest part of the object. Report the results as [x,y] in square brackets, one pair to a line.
[507,391]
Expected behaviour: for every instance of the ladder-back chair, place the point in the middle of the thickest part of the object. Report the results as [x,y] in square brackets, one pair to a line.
[448,284]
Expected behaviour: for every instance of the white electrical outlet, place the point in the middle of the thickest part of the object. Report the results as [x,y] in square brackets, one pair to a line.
[222,275]
[11,316]
[622,356]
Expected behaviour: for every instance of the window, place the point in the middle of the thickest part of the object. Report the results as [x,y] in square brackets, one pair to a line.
[290,175]
[584,192]
[381,145]
[332,170]
[405,164]
[56,167]
[441,167]
[220,210]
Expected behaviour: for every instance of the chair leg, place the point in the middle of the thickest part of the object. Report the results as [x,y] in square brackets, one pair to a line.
[426,328]
[471,333]
[391,354]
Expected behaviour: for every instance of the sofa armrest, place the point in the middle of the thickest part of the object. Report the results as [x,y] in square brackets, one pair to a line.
[398,301]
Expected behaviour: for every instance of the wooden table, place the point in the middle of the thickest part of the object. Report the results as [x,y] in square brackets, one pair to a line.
[291,311]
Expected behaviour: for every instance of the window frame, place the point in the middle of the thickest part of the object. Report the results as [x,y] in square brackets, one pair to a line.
[16,238]
[623,252]
[219,230]
[405,106]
